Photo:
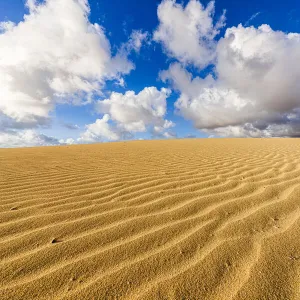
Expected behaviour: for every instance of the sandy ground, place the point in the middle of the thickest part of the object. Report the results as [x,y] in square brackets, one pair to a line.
[183,219]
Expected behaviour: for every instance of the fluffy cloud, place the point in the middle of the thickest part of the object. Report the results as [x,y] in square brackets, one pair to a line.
[129,113]
[54,55]
[259,64]
[134,112]
[25,138]
[99,131]
[188,33]
[254,90]
[205,103]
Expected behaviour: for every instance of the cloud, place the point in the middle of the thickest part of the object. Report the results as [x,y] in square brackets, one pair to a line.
[133,112]
[31,5]
[163,131]
[54,55]
[252,18]
[99,131]
[254,90]
[68,141]
[136,40]
[248,130]
[70,126]
[190,136]
[188,33]
[25,138]
[129,113]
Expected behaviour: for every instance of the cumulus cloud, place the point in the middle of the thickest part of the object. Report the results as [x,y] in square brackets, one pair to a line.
[134,111]
[164,130]
[54,55]
[99,131]
[25,138]
[254,89]
[129,113]
[188,33]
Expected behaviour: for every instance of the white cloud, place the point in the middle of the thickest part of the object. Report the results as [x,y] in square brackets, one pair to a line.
[188,33]
[68,141]
[252,18]
[136,40]
[129,113]
[170,135]
[55,54]
[160,130]
[256,90]
[5,26]
[25,138]
[99,131]
[133,112]
[31,5]
[259,64]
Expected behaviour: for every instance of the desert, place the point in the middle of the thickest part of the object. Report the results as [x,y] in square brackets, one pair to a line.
[166,219]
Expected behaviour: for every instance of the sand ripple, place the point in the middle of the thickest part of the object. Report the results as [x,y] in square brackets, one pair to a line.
[183,219]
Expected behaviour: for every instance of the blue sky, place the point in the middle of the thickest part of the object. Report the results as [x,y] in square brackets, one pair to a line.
[119,19]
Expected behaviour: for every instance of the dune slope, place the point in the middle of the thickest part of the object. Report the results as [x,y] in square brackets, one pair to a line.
[182,219]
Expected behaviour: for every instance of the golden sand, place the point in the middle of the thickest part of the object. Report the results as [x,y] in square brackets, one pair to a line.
[182,219]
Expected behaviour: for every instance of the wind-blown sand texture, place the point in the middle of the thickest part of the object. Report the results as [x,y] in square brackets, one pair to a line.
[181,219]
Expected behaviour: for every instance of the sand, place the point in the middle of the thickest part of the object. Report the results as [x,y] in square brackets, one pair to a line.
[181,219]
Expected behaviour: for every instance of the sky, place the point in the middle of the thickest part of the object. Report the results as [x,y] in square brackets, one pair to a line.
[79,71]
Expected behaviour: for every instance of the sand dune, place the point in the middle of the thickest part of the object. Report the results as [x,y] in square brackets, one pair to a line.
[183,219]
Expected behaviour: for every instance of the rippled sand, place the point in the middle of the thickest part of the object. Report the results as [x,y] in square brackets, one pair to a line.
[182,219]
